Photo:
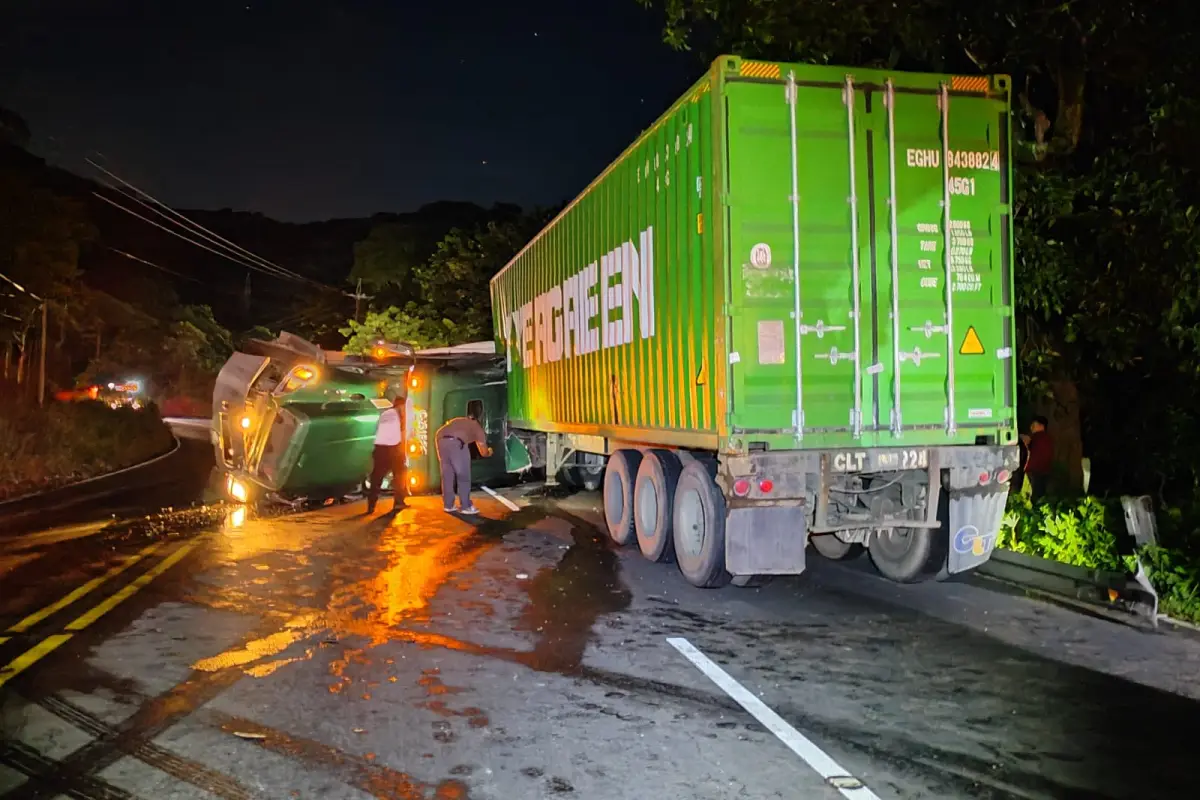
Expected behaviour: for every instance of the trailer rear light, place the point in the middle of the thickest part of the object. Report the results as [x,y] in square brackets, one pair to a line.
[766,485]
[984,477]
[741,487]
[1003,476]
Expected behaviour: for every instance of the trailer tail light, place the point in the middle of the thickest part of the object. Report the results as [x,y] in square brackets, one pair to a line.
[1003,476]
[741,487]
[984,477]
[766,485]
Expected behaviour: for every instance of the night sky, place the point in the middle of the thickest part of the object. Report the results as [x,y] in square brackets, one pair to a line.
[308,110]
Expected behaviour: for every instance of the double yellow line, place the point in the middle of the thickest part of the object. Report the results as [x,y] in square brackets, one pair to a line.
[52,643]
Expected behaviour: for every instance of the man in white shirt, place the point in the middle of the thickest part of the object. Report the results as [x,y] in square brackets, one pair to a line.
[388,456]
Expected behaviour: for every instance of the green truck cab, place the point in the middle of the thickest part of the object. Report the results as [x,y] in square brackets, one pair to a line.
[783,316]
[296,422]
[455,382]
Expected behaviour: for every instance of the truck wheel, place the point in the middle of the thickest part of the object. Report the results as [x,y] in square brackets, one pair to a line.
[618,495]
[699,528]
[654,501]
[904,555]
[833,548]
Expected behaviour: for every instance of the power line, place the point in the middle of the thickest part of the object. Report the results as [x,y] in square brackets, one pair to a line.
[132,257]
[180,235]
[21,288]
[206,233]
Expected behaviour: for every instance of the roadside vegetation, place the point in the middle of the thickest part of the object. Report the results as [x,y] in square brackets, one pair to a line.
[1090,532]
[43,449]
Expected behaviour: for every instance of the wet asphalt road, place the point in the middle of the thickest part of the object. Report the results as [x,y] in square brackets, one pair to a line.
[334,655]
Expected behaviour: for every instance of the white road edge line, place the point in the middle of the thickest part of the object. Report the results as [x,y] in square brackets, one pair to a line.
[798,743]
[508,503]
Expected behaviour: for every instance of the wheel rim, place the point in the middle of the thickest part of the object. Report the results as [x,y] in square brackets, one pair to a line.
[647,509]
[690,522]
[614,495]
[893,544]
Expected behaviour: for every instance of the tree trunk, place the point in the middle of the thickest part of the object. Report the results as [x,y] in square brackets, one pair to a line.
[1062,410]
[7,359]
[21,366]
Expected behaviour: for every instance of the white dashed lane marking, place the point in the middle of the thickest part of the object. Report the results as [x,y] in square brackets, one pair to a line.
[798,743]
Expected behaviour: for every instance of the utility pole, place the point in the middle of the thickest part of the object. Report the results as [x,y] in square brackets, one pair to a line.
[358,298]
[42,368]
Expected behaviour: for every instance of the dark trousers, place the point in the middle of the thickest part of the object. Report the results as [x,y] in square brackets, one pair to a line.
[1037,486]
[384,459]
[454,458]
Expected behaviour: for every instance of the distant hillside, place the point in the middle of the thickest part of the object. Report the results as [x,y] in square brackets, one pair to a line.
[323,251]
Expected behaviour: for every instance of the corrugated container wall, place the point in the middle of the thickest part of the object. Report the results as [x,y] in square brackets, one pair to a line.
[634,255]
[685,299]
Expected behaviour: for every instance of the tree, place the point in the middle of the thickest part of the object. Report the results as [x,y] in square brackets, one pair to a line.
[41,238]
[388,256]
[399,326]
[449,301]
[1107,266]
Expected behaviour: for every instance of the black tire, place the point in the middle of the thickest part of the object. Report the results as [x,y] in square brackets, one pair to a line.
[698,519]
[829,546]
[654,504]
[906,555]
[618,495]
[750,581]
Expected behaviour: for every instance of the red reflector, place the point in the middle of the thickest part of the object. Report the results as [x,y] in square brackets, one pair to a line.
[766,485]
[984,478]
[1002,476]
[741,487]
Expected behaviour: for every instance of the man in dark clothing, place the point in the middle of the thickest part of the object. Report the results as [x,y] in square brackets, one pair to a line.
[388,456]
[454,440]
[1041,458]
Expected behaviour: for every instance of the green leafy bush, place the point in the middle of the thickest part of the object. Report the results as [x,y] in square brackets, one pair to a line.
[44,448]
[1079,533]
[1084,533]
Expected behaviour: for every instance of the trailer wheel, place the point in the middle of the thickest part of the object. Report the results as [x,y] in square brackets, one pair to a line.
[904,555]
[833,548]
[618,495]
[699,528]
[654,502]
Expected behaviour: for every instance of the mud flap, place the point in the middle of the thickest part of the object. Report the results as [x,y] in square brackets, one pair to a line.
[765,540]
[975,516]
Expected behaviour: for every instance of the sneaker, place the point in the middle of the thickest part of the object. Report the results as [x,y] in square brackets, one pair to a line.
[449,509]
[469,511]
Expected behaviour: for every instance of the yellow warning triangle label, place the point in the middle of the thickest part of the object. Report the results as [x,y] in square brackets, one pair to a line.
[971,345]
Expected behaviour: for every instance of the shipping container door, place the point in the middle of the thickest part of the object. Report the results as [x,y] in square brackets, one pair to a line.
[812,389]
[943,332]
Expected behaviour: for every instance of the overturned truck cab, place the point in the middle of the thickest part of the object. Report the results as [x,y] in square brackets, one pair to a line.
[294,422]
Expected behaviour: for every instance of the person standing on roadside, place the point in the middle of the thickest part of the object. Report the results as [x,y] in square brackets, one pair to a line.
[454,441]
[1041,457]
[388,456]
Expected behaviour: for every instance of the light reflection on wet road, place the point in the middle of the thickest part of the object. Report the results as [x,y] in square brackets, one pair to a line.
[331,654]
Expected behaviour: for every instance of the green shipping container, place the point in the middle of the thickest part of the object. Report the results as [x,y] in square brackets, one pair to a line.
[793,258]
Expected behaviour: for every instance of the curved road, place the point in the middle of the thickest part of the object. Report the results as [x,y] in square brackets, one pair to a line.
[334,655]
